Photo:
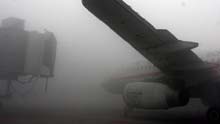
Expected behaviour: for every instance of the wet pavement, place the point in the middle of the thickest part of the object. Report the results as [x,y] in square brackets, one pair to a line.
[190,114]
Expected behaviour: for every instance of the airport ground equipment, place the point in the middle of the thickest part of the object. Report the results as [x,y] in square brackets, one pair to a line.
[25,55]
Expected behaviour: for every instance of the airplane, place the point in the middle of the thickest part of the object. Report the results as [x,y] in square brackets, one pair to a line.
[184,74]
[143,71]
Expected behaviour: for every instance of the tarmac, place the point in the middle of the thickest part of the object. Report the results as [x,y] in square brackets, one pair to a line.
[190,114]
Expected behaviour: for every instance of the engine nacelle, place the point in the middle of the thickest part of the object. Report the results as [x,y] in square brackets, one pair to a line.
[153,96]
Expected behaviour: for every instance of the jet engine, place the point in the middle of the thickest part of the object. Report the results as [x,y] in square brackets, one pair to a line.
[153,96]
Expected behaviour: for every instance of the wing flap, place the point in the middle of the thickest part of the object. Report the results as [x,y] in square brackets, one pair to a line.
[166,35]
[173,47]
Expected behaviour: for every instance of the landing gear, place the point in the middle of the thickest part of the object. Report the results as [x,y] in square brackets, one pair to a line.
[213,115]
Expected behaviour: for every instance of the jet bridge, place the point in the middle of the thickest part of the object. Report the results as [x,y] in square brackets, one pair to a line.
[29,54]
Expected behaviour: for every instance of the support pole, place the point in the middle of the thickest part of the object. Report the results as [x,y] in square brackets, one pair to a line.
[46,85]
[8,91]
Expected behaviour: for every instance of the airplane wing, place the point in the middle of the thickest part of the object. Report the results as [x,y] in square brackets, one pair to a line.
[171,55]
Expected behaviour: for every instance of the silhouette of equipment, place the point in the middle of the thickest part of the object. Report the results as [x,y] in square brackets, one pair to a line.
[25,55]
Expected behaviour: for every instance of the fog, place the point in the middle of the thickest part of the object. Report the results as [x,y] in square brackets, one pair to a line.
[88,51]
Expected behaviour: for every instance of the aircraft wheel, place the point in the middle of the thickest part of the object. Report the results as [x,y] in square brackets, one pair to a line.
[213,115]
